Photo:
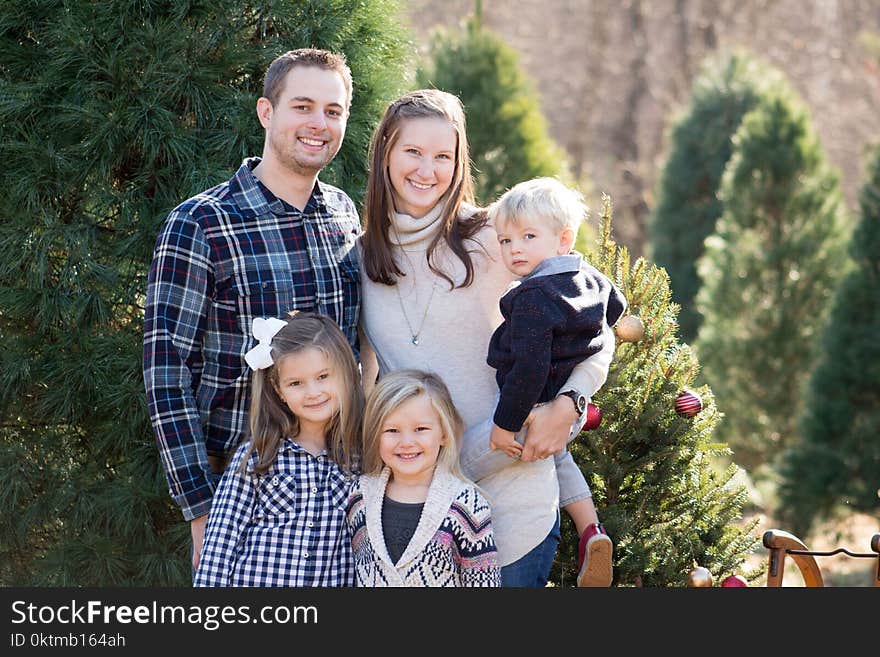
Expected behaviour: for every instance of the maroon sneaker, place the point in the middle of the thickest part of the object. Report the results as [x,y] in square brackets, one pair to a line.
[594,557]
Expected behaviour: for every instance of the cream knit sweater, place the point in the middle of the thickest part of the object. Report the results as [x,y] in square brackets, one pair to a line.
[451,546]
[453,343]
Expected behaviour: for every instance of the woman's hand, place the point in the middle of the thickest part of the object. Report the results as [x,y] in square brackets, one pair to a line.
[549,426]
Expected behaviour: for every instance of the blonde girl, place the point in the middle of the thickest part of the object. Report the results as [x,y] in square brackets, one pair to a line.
[278,517]
[415,520]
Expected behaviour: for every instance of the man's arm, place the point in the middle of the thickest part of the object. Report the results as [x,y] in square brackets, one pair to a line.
[197,530]
[174,319]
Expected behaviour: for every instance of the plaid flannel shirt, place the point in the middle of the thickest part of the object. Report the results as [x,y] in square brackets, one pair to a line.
[282,528]
[222,258]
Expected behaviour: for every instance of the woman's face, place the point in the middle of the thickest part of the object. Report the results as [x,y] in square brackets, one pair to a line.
[421,164]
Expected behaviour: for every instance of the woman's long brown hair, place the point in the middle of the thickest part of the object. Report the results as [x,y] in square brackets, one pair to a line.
[379,204]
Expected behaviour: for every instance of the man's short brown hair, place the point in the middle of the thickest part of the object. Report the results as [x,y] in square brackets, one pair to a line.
[273,81]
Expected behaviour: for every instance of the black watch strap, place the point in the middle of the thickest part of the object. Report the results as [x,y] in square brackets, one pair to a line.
[580,402]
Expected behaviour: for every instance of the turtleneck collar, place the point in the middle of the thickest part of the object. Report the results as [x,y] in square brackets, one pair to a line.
[411,233]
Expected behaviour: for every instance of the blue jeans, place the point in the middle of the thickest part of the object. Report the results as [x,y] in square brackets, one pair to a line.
[533,569]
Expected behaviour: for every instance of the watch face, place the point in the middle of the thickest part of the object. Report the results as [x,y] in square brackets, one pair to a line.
[580,402]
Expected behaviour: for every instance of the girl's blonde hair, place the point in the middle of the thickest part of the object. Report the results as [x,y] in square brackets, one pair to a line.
[394,389]
[270,418]
[379,202]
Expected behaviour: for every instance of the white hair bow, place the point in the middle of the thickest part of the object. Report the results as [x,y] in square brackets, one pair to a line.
[260,357]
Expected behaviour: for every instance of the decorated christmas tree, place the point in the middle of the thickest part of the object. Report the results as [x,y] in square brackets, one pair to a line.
[836,458]
[111,114]
[650,460]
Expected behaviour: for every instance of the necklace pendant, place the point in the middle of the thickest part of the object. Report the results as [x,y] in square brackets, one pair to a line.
[415,339]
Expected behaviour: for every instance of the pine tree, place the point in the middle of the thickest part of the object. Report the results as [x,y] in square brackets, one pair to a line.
[700,146]
[655,488]
[111,114]
[837,457]
[767,274]
[507,133]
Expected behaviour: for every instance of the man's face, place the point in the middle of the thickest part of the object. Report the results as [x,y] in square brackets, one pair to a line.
[305,128]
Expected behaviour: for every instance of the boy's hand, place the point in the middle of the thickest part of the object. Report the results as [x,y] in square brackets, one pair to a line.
[504,440]
[549,425]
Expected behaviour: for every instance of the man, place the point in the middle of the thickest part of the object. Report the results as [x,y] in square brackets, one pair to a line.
[270,240]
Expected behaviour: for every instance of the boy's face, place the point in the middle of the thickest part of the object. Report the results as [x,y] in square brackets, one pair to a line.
[526,244]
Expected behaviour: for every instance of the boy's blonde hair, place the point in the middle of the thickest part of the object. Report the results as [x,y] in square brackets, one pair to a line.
[271,420]
[390,392]
[546,199]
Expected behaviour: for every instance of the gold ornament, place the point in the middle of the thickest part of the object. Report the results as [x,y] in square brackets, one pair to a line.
[630,329]
[700,578]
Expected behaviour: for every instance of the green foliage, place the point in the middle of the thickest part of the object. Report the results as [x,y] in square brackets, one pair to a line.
[700,146]
[507,132]
[837,459]
[650,470]
[111,114]
[768,274]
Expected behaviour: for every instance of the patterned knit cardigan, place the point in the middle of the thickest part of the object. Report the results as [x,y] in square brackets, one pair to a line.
[453,544]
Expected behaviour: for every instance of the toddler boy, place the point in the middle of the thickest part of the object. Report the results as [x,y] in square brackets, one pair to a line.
[559,313]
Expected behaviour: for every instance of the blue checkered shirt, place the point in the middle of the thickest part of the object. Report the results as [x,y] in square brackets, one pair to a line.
[223,257]
[283,528]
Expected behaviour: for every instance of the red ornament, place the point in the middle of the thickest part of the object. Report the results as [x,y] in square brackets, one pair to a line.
[688,403]
[594,417]
[734,582]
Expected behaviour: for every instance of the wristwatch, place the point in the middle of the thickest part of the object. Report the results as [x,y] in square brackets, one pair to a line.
[580,402]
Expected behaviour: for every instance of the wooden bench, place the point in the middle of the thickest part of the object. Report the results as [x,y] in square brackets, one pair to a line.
[782,544]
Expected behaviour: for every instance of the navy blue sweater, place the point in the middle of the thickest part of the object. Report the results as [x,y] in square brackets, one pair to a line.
[552,321]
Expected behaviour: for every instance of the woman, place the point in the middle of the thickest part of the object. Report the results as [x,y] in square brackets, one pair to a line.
[432,277]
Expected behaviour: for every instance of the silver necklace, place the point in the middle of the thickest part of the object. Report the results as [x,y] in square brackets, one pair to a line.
[415,334]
